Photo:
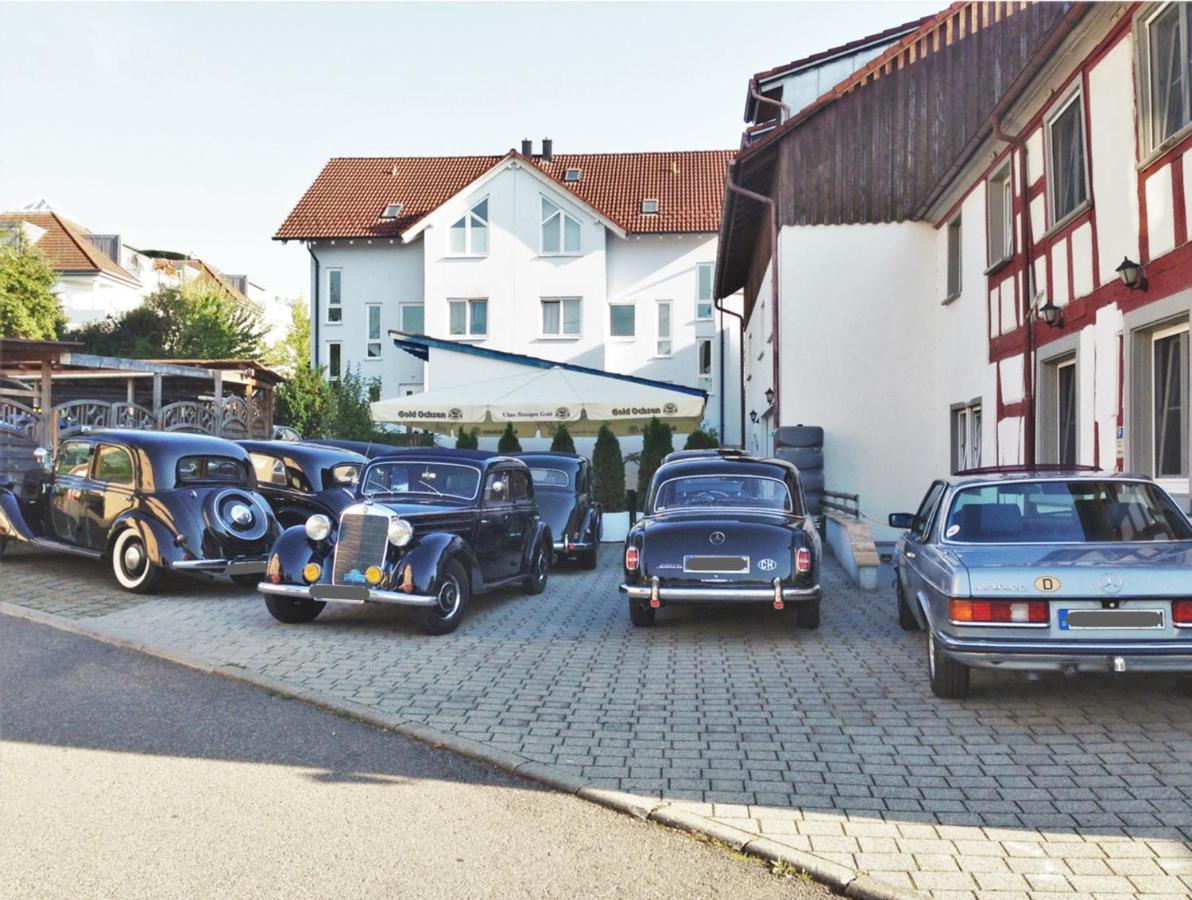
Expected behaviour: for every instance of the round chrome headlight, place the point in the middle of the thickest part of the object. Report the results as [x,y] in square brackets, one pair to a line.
[400,532]
[318,527]
[240,514]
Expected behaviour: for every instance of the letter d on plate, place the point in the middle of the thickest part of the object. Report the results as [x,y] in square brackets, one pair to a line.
[1048,584]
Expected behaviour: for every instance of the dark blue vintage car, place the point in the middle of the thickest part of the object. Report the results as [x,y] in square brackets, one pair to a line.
[147,501]
[723,527]
[428,528]
[1046,570]
[563,489]
[300,480]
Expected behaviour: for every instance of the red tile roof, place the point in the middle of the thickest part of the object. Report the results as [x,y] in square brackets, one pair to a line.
[66,246]
[348,196]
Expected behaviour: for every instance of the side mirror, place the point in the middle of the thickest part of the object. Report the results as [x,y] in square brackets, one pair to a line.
[43,458]
[902,520]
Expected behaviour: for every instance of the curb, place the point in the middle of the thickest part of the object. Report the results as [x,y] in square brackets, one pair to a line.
[840,878]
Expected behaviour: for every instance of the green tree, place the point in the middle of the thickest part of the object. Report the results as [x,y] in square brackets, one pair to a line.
[562,442]
[657,442]
[702,439]
[28,306]
[293,350]
[304,401]
[509,442]
[608,471]
[466,440]
[351,415]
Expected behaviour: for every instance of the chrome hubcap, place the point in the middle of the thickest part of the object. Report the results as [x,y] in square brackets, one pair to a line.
[448,598]
[133,557]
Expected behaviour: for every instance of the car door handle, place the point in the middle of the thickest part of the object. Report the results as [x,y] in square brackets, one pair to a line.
[910,554]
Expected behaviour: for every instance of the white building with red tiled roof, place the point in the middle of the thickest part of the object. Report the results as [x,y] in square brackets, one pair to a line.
[602,260]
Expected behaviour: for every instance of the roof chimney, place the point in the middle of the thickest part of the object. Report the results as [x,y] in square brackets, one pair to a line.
[548,149]
[527,147]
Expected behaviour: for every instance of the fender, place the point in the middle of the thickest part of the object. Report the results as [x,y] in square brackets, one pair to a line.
[430,556]
[12,520]
[590,528]
[923,612]
[160,544]
[294,550]
[541,533]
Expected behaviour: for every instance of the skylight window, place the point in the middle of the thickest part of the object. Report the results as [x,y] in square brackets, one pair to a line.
[392,211]
[572,175]
[650,206]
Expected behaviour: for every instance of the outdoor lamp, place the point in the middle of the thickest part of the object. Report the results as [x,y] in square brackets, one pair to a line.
[1052,314]
[1132,274]
[770,396]
[753,416]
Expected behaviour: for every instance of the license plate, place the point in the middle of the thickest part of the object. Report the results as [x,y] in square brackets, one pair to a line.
[248,567]
[718,564]
[1077,619]
[345,593]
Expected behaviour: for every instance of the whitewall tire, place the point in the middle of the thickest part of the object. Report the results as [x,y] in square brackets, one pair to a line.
[131,565]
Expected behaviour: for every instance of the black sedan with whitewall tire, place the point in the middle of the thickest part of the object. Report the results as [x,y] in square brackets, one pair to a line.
[428,529]
[721,527]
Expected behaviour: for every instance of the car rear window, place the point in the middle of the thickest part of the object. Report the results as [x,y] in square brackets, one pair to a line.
[550,478]
[1077,511]
[211,470]
[723,491]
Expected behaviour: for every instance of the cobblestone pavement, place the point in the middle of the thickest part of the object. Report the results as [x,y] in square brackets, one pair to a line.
[829,741]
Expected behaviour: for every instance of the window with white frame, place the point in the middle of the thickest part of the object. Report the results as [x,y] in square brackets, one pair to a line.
[561,316]
[622,320]
[663,345]
[966,436]
[703,291]
[335,285]
[1169,421]
[1068,175]
[999,206]
[560,231]
[953,237]
[1166,65]
[372,346]
[704,362]
[334,360]
[1058,410]
[468,318]
[469,234]
[413,318]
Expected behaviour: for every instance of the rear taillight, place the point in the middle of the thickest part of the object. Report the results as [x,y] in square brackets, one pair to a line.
[999,612]
[631,558]
[1181,612]
[802,560]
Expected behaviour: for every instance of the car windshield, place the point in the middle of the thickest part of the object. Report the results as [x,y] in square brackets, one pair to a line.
[728,491]
[549,478]
[413,477]
[218,469]
[1077,511]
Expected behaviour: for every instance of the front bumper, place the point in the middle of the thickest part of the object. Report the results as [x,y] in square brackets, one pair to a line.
[1091,656]
[240,565]
[346,593]
[775,593]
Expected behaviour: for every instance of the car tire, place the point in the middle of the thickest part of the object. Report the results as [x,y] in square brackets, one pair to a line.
[535,583]
[799,436]
[641,613]
[807,615]
[247,581]
[131,566]
[293,610]
[906,616]
[949,678]
[3,547]
[453,593]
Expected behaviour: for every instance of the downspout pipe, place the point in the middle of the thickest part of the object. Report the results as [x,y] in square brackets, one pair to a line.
[314,310]
[740,366]
[1028,281]
[775,342]
[762,98]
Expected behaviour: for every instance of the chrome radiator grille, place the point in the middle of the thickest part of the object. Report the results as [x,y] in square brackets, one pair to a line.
[362,542]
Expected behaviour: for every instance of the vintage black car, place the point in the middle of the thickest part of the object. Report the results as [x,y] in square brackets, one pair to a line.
[370,449]
[723,527]
[300,480]
[147,501]
[563,489]
[429,529]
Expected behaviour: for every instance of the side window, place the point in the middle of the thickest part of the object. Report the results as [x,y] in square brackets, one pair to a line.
[926,508]
[519,488]
[496,488]
[113,464]
[269,469]
[74,458]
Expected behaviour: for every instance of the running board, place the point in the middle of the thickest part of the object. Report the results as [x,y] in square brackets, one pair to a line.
[67,548]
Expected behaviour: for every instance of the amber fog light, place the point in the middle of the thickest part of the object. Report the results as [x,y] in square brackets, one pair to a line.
[373,574]
[311,572]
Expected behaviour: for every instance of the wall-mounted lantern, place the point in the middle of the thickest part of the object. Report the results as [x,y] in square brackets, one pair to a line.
[769,396]
[753,416]
[1132,274]
[1051,314]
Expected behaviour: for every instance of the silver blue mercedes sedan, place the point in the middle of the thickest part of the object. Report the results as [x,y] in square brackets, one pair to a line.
[1046,570]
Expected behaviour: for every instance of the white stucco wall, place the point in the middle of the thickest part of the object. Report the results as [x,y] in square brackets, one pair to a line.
[89,298]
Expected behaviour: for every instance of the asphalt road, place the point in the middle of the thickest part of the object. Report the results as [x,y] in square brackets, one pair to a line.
[123,775]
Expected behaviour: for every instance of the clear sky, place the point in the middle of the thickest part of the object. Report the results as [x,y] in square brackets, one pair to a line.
[196,127]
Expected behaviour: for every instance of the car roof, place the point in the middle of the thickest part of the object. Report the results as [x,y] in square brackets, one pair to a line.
[306,454]
[448,454]
[1011,475]
[551,456]
[167,441]
[717,464]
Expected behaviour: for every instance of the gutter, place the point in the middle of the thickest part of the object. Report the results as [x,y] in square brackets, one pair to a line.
[314,309]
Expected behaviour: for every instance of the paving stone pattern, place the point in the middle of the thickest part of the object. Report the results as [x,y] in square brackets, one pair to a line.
[826,741]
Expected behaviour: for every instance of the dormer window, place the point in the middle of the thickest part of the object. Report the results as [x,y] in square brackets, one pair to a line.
[469,235]
[571,175]
[560,231]
[391,211]
[650,206]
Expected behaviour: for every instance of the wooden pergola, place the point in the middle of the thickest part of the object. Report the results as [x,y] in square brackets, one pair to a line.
[50,388]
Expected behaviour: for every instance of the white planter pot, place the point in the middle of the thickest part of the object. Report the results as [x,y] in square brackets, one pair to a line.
[614,527]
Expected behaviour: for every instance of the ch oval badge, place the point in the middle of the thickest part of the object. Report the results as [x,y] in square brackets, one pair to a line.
[1048,584]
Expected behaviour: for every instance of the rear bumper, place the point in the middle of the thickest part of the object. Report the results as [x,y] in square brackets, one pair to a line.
[566,548]
[336,593]
[1100,656]
[720,593]
[241,565]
